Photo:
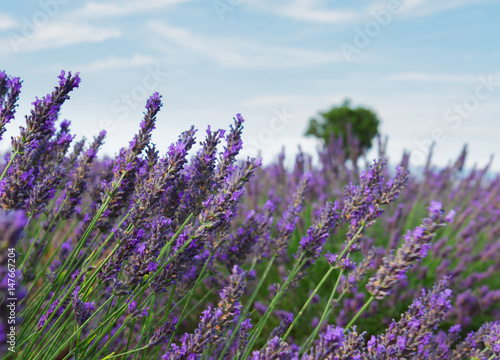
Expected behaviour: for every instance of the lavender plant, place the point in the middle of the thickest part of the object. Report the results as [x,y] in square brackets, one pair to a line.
[204,255]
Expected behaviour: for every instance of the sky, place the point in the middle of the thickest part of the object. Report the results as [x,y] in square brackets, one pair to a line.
[429,69]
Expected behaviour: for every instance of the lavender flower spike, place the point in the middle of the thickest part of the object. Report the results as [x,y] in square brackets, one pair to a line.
[276,349]
[415,247]
[311,245]
[212,322]
[406,337]
[162,334]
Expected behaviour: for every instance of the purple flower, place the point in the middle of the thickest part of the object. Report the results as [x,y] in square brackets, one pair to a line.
[415,246]
[286,225]
[404,338]
[311,245]
[275,348]
[163,332]
[435,207]
[10,88]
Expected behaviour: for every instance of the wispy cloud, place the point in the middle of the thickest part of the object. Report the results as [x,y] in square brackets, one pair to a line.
[93,9]
[276,100]
[412,8]
[115,63]
[6,22]
[241,53]
[433,77]
[321,11]
[56,35]
[307,10]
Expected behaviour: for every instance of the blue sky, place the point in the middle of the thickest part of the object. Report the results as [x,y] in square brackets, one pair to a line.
[429,69]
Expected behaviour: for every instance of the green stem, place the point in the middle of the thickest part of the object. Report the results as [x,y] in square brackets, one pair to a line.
[9,164]
[30,248]
[301,312]
[367,303]
[44,245]
[326,313]
[248,306]
[41,346]
[262,322]
[146,324]
[169,306]
[52,344]
[104,327]
[43,270]
[121,328]
[96,218]
[70,338]
[193,308]
[46,240]
[181,318]
[47,322]
[316,329]
[124,353]
[139,291]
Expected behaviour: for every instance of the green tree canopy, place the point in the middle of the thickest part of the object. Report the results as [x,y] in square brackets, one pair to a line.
[363,124]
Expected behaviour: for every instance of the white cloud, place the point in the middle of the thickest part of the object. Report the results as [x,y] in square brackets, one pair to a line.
[115,62]
[57,35]
[412,8]
[310,104]
[232,52]
[272,100]
[320,11]
[93,9]
[307,10]
[6,22]
[433,77]
[411,4]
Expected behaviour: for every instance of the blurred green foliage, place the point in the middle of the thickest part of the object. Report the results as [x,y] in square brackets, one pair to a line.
[361,122]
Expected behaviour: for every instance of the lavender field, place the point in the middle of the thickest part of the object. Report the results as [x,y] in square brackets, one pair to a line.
[197,253]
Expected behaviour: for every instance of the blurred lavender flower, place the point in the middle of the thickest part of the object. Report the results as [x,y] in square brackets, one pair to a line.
[10,88]
[241,244]
[286,225]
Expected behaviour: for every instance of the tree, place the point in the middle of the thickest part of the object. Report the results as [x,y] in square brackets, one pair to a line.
[345,122]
